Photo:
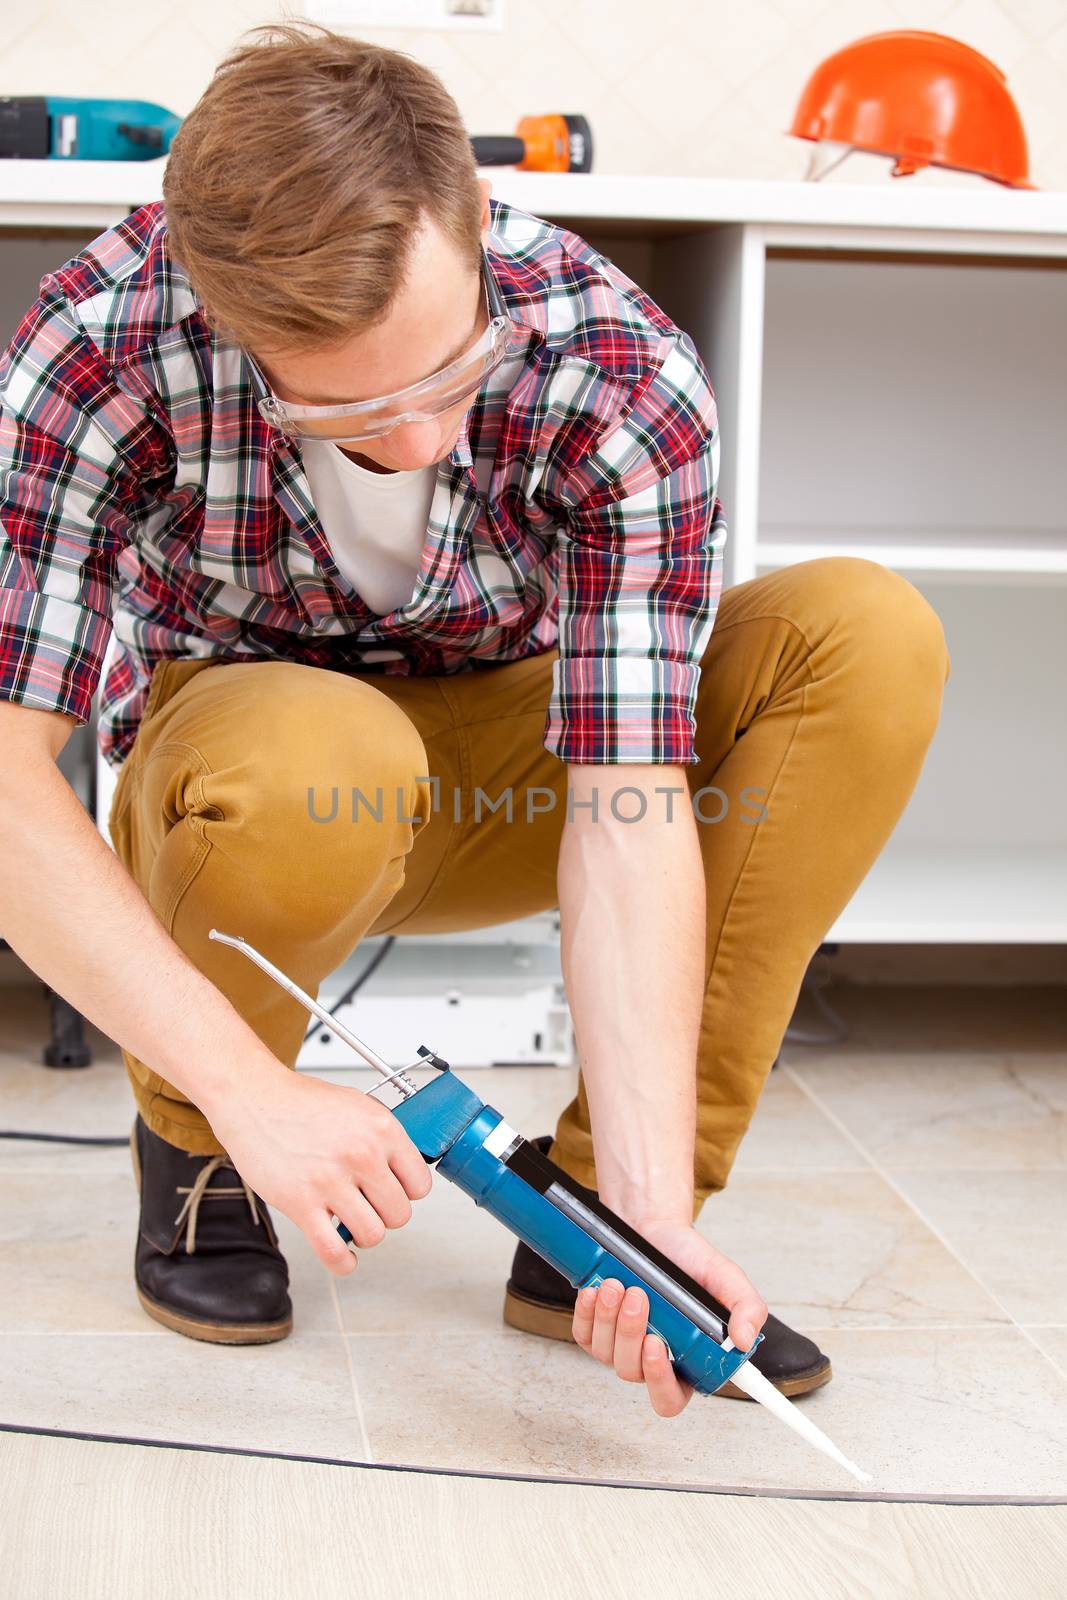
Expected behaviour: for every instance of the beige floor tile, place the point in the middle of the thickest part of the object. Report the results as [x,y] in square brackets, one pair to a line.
[67,1243]
[926,1413]
[292,1396]
[965,1412]
[948,1109]
[1053,1341]
[446,1269]
[789,1133]
[1009,1227]
[96,1101]
[841,1250]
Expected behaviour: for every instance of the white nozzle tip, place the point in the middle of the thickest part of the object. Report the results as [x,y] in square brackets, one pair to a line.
[858,1472]
[757,1387]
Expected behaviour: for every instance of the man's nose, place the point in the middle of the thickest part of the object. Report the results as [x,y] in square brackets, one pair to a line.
[415,440]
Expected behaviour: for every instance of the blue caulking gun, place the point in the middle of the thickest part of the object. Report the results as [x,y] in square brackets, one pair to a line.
[474,1148]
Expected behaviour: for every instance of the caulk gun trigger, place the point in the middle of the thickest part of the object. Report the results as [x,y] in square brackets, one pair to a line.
[435,1060]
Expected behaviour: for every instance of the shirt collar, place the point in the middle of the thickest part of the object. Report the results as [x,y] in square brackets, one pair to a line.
[503,296]
[516,292]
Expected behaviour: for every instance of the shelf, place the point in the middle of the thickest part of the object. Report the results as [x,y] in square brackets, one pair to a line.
[33,193]
[973,894]
[1033,552]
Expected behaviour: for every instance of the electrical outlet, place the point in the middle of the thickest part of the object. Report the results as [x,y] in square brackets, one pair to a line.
[453,15]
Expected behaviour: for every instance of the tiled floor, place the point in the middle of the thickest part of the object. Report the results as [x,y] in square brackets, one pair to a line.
[902,1197]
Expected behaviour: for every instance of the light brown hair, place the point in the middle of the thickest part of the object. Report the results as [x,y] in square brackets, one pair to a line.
[296,185]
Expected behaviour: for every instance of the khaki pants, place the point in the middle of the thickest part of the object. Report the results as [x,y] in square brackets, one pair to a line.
[821,687]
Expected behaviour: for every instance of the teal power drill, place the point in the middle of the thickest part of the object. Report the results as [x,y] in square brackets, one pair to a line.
[36,128]
[474,1148]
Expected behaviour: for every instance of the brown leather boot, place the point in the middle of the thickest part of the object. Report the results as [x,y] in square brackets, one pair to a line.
[538,1299]
[207,1262]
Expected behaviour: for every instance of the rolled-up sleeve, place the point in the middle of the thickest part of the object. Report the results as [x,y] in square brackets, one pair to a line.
[640,549]
[68,438]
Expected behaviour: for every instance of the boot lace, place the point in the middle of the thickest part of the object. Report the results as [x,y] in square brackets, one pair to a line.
[199,1190]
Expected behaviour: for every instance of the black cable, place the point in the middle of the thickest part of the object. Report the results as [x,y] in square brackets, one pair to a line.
[372,966]
[61,1138]
[837,1028]
[81,1138]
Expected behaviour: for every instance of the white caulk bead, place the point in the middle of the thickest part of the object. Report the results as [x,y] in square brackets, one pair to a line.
[760,1388]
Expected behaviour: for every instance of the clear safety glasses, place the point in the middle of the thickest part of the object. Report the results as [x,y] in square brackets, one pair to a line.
[419,402]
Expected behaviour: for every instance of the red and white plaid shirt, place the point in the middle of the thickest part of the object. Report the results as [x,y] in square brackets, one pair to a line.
[141,490]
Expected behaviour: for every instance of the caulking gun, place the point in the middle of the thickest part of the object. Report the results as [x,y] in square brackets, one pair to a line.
[474,1148]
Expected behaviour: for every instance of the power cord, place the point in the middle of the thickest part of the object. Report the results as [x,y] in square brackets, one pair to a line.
[815,980]
[83,1138]
[372,966]
[62,1138]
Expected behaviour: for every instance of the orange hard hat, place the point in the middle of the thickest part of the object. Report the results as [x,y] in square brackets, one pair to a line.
[924,98]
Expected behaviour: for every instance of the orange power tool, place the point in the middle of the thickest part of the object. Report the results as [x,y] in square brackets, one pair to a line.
[556,143]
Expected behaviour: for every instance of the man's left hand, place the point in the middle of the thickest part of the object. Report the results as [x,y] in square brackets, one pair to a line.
[610,1326]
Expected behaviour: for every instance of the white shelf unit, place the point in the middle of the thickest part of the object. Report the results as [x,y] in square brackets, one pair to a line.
[901,395]
[889,364]
[915,403]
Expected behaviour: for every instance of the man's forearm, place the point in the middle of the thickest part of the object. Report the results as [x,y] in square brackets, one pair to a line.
[76,917]
[632,916]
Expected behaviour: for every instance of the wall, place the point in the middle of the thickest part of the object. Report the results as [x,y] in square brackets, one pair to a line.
[707,91]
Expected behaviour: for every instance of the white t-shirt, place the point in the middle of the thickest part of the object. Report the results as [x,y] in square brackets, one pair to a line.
[375,522]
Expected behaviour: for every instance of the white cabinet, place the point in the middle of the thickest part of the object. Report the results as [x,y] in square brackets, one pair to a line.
[892,383]
[890,366]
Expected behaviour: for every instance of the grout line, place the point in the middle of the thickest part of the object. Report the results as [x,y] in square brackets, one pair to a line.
[478,1331]
[737,1170]
[127,1333]
[1050,1359]
[357,1401]
[900,1166]
[83,1333]
[904,1327]
[978,1172]
[911,1205]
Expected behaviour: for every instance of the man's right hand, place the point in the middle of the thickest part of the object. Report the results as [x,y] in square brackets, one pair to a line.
[312,1148]
[308,1147]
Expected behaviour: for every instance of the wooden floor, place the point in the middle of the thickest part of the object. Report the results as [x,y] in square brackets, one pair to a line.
[93,1521]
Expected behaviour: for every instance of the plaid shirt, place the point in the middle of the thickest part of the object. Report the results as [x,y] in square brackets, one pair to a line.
[141,491]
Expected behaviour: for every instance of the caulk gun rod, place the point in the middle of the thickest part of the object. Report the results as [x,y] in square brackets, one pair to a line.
[313,1006]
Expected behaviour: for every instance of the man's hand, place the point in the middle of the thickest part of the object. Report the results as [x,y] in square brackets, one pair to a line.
[611,1326]
[312,1148]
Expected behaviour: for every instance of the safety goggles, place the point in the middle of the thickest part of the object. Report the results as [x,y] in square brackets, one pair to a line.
[419,402]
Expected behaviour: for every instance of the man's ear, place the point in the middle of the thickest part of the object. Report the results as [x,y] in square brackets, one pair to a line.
[485,184]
